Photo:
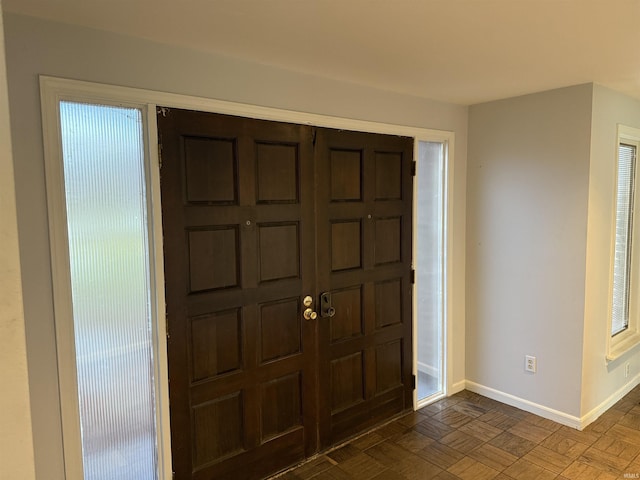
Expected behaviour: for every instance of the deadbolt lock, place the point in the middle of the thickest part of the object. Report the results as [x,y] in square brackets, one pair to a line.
[326,309]
[308,301]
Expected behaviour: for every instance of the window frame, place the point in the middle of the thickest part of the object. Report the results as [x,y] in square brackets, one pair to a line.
[620,343]
[53,92]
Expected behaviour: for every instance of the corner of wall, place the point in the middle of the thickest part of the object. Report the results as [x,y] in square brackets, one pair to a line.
[603,383]
[16,437]
[527,199]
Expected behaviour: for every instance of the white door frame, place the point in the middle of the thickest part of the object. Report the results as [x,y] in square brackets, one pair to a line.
[53,90]
[446,339]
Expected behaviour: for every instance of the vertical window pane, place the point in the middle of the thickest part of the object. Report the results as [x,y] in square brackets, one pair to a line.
[429,265]
[624,221]
[103,151]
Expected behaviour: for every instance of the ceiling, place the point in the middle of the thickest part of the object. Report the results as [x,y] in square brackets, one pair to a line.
[458,51]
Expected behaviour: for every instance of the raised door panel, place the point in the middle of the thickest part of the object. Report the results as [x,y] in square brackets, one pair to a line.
[346,245]
[345,175]
[214,258]
[211,170]
[346,381]
[216,344]
[277,173]
[387,244]
[279,251]
[281,406]
[218,430]
[347,322]
[280,332]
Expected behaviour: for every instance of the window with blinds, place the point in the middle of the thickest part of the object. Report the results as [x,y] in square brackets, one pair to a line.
[623,237]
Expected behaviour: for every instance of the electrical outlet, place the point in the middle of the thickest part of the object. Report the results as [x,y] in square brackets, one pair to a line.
[627,369]
[530,363]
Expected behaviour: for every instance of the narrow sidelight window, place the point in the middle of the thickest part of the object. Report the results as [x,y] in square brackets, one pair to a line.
[429,265]
[104,182]
[623,237]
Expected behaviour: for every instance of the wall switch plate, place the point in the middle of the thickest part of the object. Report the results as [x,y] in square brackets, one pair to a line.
[530,363]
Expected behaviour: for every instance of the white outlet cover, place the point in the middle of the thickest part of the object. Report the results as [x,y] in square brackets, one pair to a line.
[530,363]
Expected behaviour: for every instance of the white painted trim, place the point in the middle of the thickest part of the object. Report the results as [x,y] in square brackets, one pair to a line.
[457,387]
[414,297]
[627,340]
[135,96]
[53,90]
[593,415]
[449,195]
[61,283]
[526,405]
[446,342]
[51,95]
[429,400]
[437,395]
[156,265]
[579,423]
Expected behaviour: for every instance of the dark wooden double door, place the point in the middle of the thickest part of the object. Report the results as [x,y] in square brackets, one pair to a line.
[257,216]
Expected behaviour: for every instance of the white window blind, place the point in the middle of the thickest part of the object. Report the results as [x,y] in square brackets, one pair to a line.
[623,240]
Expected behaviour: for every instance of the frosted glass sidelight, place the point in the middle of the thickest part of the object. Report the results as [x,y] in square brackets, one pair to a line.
[429,266]
[104,175]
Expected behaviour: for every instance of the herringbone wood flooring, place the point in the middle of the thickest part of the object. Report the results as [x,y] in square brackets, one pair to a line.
[468,436]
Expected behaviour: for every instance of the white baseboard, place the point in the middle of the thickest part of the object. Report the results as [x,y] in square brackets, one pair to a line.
[526,405]
[546,412]
[609,402]
[457,387]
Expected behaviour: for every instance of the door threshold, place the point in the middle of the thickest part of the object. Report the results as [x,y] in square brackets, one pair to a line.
[342,444]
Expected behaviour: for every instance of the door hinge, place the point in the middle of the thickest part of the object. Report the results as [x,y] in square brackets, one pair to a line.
[413,382]
[412,276]
[413,169]
[159,149]
[166,326]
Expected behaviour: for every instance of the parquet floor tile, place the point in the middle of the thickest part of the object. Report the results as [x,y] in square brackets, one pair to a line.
[441,455]
[493,457]
[525,470]
[548,459]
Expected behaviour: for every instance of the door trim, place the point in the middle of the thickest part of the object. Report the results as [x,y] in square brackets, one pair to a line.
[52,91]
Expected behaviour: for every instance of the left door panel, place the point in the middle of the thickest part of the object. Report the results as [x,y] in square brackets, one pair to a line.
[238,222]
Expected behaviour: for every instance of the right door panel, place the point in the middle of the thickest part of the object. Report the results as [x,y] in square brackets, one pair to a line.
[364,199]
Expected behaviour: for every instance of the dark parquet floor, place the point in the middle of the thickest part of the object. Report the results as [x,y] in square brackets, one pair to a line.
[470,437]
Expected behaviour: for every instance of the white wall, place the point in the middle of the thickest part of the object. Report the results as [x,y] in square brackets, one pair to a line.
[16,447]
[601,380]
[39,47]
[528,179]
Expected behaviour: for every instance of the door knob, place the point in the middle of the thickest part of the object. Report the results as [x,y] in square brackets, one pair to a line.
[309,314]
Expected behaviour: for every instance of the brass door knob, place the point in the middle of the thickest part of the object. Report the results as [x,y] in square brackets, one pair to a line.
[309,314]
